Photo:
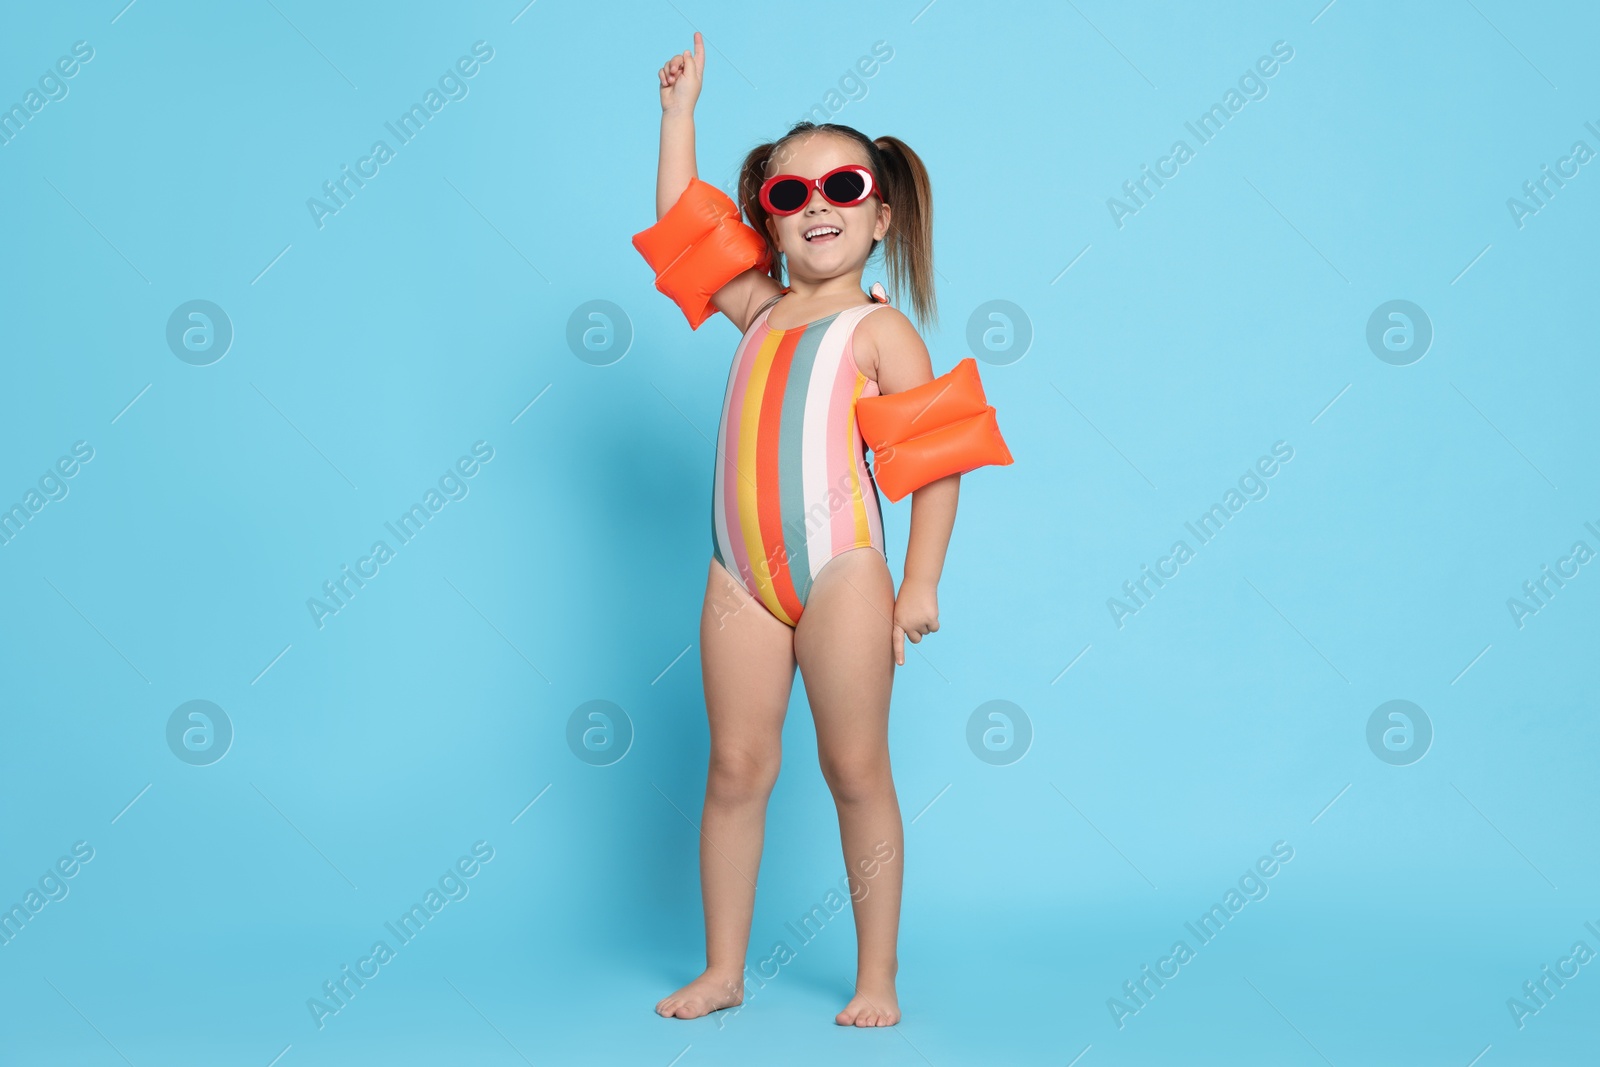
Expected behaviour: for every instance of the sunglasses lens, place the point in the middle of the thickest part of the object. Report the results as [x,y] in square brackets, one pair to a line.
[846,187]
[788,195]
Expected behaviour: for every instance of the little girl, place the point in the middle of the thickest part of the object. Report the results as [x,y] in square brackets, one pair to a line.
[798,574]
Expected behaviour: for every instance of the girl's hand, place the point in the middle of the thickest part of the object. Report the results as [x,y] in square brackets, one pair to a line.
[681,78]
[916,612]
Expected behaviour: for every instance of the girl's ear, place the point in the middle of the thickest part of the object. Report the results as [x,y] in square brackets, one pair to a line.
[772,228]
[885,214]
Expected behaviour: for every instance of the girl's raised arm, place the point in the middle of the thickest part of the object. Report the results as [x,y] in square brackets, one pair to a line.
[680,88]
[681,79]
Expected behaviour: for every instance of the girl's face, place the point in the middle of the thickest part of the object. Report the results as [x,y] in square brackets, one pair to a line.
[841,237]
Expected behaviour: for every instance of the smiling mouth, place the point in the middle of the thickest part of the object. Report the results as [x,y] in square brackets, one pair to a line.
[821,234]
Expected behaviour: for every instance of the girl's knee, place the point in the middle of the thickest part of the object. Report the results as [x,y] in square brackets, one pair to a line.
[739,775]
[857,778]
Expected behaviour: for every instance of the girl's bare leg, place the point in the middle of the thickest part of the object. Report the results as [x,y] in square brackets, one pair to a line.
[844,649]
[747,661]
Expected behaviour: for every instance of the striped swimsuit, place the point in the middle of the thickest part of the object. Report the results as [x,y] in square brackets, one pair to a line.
[792,489]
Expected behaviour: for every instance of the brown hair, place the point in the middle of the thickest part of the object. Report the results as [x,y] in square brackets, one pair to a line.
[908,244]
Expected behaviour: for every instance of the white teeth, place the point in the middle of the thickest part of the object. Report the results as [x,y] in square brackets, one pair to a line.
[817,231]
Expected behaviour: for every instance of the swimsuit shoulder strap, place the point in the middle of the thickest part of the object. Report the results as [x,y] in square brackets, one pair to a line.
[852,317]
[767,304]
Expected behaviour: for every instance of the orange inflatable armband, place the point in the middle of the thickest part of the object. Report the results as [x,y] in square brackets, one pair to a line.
[699,246]
[934,430]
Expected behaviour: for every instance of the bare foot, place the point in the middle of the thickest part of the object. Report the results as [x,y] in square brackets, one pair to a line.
[874,1004]
[711,992]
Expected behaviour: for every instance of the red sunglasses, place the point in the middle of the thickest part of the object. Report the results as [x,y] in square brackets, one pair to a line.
[846,186]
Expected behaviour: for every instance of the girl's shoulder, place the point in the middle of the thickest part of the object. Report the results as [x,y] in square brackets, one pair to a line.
[886,318]
[885,330]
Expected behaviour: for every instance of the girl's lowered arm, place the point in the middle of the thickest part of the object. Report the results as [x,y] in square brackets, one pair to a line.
[902,362]
[933,517]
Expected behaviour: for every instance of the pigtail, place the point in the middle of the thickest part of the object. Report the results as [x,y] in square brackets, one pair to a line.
[908,246]
[752,172]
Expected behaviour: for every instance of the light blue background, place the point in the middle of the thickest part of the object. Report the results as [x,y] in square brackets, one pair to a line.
[1230,713]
